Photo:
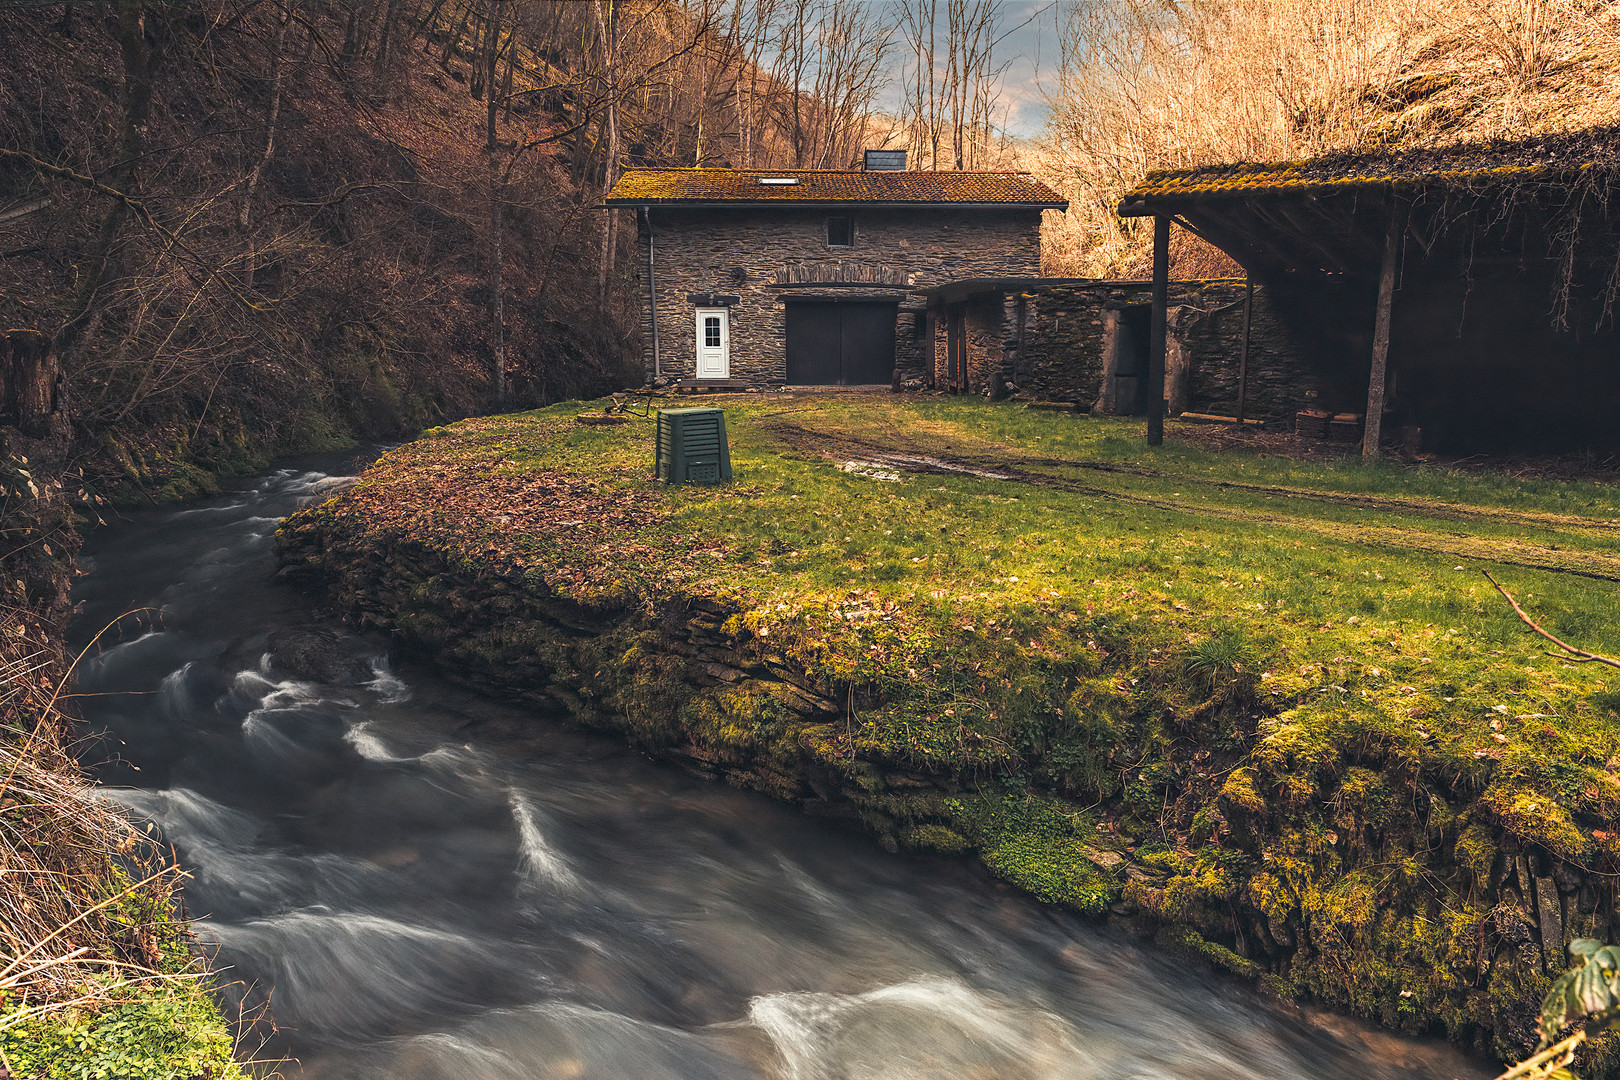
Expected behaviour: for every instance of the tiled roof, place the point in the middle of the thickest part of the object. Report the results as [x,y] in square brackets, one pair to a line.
[731,186]
[1481,165]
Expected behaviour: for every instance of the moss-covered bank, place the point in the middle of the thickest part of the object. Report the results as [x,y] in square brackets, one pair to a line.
[1251,703]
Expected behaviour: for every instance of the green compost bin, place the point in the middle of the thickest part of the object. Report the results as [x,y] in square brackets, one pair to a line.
[692,447]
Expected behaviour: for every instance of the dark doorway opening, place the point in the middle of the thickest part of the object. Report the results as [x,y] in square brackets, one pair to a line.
[1131,358]
[840,342]
[956,360]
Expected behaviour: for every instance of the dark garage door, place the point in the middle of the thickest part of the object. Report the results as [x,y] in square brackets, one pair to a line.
[842,343]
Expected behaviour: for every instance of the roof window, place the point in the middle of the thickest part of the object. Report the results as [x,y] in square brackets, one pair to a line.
[779,180]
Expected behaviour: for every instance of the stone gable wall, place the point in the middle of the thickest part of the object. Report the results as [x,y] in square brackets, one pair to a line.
[734,255]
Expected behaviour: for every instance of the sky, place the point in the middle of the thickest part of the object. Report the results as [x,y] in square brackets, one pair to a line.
[1030,43]
[1035,48]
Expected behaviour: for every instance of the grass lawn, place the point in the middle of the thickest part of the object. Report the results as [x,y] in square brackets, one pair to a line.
[1281,692]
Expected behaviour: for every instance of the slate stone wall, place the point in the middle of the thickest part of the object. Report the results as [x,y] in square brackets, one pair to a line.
[733,256]
[1053,341]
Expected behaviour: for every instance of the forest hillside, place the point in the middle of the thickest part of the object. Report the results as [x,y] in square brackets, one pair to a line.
[252,228]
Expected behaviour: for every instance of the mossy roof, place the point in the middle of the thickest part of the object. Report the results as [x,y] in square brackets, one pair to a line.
[1475,166]
[719,187]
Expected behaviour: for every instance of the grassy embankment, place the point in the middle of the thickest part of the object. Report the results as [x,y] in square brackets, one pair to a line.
[99,977]
[1272,707]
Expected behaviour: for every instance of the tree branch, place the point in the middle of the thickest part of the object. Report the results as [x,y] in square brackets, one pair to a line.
[1580,656]
[139,209]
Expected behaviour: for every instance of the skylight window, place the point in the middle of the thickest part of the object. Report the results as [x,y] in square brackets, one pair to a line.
[779,180]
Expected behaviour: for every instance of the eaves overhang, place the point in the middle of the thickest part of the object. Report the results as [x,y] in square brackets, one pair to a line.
[820,204]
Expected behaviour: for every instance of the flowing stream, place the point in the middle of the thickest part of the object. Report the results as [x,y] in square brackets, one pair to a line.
[429,884]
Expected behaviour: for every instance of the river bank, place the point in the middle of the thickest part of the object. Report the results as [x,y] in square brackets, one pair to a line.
[429,883]
[1248,702]
[101,975]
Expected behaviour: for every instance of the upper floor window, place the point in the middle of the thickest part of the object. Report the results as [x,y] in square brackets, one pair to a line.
[840,232]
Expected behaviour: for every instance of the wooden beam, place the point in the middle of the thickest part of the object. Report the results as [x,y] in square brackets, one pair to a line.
[1221,231]
[1374,428]
[1161,309]
[1301,239]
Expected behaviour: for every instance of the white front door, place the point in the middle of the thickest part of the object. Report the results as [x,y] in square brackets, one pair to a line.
[713,343]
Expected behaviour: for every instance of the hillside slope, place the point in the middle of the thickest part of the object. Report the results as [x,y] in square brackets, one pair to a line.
[259,228]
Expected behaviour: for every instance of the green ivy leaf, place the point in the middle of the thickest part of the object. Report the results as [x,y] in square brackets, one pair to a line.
[1585,947]
[1558,1004]
[1590,990]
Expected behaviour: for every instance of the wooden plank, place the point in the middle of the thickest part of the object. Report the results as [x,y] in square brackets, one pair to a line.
[1380,348]
[1161,304]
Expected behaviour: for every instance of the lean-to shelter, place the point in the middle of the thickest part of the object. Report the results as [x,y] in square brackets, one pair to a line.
[1463,297]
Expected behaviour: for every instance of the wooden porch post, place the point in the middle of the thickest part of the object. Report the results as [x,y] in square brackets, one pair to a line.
[1161,304]
[1374,428]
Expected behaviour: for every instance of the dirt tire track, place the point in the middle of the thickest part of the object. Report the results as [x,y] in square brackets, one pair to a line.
[1525,554]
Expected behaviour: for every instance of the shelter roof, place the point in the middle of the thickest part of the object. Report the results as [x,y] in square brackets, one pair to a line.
[1474,166]
[1330,214]
[747,187]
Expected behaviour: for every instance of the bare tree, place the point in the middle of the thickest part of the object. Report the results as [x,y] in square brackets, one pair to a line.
[497,216]
[949,110]
[832,62]
[277,72]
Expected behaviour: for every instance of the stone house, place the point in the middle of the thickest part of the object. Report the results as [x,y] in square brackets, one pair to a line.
[811,277]
[1085,341]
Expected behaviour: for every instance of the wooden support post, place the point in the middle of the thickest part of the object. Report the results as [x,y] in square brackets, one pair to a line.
[1374,428]
[1156,331]
[1243,357]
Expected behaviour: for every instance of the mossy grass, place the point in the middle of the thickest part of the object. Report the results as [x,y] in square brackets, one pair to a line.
[162,1023]
[1282,689]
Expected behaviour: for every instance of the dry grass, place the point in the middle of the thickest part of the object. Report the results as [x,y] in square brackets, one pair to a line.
[65,905]
[94,963]
[1146,85]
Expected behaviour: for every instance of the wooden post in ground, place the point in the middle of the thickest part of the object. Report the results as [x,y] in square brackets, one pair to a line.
[1374,428]
[1243,357]
[1156,332]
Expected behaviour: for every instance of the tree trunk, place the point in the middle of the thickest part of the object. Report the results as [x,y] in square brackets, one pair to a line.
[607,19]
[497,274]
[245,220]
[381,73]
[140,59]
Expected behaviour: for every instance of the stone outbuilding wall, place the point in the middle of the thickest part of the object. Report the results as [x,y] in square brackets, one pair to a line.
[1079,341]
[737,259]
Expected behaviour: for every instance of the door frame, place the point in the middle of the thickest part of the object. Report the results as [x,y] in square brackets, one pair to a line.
[700,351]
